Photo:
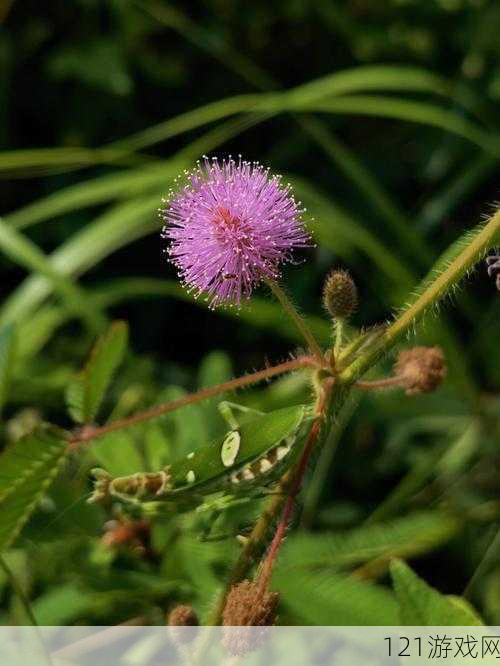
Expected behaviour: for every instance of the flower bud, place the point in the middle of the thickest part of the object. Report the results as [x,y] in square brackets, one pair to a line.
[340,296]
[423,369]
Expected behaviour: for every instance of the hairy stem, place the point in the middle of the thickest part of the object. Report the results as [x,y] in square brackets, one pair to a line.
[436,287]
[89,432]
[299,322]
[339,331]
[380,384]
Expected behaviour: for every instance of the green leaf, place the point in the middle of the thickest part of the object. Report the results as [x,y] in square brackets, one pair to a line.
[332,599]
[42,161]
[422,469]
[95,191]
[409,536]
[215,369]
[158,447]
[63,605]
[25,253]
[117,452]
[86,393]
[185,427]
[118,226]
[28,467]
[34,333]
[7,350]
[422,605]
[423,113]
[370,77]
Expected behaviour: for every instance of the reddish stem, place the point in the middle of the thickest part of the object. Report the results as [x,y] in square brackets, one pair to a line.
[90,432]
[386,383]
[294,488]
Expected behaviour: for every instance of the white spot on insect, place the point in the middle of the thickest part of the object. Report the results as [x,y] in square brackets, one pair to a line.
[230,448]
[282,451]
[190,455]
[190,476]
[265,465]
[247,474]
[235,478]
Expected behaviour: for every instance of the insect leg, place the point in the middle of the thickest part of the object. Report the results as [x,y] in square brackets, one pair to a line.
[227,409]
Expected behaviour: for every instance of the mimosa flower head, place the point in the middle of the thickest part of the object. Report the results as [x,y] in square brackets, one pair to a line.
[231,226]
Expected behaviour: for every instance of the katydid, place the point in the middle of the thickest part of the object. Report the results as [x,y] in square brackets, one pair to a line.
[253,452]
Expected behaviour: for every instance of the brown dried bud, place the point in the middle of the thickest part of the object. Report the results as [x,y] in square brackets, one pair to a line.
[134,533]
[182,616]
[340,296]
[423,369]
[179,617]
[247,605]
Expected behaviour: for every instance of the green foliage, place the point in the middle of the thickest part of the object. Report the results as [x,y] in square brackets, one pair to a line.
[7,351]
[409,536]
[325,599]
[28,468]
[421,605]
[393,150]
[62,605]
[86,393]
[117,453]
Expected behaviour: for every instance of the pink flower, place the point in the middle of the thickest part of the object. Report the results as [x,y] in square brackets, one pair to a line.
[230,227]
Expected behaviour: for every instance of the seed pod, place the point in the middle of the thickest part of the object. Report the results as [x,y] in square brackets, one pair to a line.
[340,295]
[423,369]
[247,605]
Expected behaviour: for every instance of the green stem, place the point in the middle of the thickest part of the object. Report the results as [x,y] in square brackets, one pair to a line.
[299,322]
[339,331]
[436,289]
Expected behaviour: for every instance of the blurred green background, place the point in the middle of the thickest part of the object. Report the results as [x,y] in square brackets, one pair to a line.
[384,116]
